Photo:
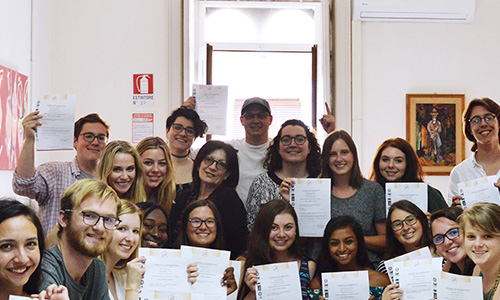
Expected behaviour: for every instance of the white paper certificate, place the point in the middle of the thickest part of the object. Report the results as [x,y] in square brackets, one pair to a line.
[58,117]
[211,105]
[479,190]
[12,297]
[311,199]
[278,281]
[165,272]
[421,253]
[236,264]
[415,192]
[346,285]
[211,266]
[416,277]
[458,287]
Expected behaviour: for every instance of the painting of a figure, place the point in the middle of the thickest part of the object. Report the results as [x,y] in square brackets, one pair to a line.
[434,129]
[13,105]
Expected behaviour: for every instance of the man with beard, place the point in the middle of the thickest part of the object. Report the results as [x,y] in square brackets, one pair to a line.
[87,218]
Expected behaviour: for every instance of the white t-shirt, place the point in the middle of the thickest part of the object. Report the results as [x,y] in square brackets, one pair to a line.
[250,159]
[467,170]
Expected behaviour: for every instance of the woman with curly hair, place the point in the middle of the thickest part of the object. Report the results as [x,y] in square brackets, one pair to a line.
[293,153]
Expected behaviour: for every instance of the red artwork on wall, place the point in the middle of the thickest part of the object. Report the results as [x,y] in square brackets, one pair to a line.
[13,105]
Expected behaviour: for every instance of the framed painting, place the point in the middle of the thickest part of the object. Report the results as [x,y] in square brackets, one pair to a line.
[434,129]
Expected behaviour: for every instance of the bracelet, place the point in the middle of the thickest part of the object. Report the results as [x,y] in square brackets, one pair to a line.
[131,289]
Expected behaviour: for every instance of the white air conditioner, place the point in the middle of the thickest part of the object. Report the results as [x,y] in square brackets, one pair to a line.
[414,10]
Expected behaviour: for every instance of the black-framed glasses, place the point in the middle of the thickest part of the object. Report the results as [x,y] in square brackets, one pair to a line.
[90,137]
[178,128]
[219,164]
[197,222]
[286,140]
[409,220]
[92,218]
[259,116]
[488,118]
[451,234]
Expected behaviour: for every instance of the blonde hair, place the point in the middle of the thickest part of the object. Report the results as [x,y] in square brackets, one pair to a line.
[81,190]
[165,193]
[482,216]
[128,208]
[136,192]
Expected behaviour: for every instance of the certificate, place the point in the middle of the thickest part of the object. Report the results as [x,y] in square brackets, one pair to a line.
[12,297]
[417,254]
[311,199]
[415,192]
[236,264]
[346,285]
[211,105]
[458,287]
[211,266]
[416,278]
[479,190]
[278,281]
[165,272]
[58,117]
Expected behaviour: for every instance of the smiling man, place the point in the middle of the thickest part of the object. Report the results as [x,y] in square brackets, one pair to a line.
[86,220]
[47,182]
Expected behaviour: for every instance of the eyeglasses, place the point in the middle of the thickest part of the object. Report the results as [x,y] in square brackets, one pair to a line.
[92,218]
[219,164]
[178,128]
[398,224]
[90,137]
[249,117]
[197,222]
[450,234]
[488,118]
[287,140]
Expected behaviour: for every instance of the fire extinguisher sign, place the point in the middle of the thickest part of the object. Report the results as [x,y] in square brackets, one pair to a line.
[143,90]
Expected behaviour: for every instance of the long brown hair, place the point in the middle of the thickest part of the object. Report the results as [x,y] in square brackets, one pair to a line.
[356,178]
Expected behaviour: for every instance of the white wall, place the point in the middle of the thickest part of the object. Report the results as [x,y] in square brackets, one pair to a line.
[15,51]
[402,58]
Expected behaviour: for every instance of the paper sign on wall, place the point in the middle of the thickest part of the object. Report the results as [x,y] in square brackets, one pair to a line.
[142,126]
[143,90]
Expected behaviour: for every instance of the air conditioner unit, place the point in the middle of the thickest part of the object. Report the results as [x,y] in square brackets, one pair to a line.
[414,10]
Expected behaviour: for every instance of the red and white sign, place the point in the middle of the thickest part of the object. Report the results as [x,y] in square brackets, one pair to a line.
[143,84]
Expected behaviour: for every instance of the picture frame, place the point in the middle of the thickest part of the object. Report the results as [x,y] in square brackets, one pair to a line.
[434,129]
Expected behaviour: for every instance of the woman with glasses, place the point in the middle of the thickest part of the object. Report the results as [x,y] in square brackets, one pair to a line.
[481,127]
[407,230]
[120,167]
[124,270]
[448,241]
[293,153]
[396,161]
[215,176]
[183,127]
[159,181]
[154,225]
[480,225]
[201,227]
[353,195]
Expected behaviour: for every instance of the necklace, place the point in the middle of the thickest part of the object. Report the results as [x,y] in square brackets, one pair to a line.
[180,156]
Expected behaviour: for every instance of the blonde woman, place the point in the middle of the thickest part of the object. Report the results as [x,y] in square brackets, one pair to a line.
[120,167]
[480,225]
[124,268]
[159,181]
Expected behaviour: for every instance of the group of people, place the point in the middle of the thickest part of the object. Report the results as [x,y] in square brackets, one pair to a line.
[235,196]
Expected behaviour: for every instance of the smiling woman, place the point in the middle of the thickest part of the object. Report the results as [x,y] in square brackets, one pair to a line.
[121,167]
[215,175]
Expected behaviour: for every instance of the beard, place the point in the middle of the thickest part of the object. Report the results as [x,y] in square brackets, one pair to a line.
[76,240]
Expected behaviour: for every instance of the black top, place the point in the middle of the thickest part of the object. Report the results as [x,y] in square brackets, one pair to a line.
[232,212]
